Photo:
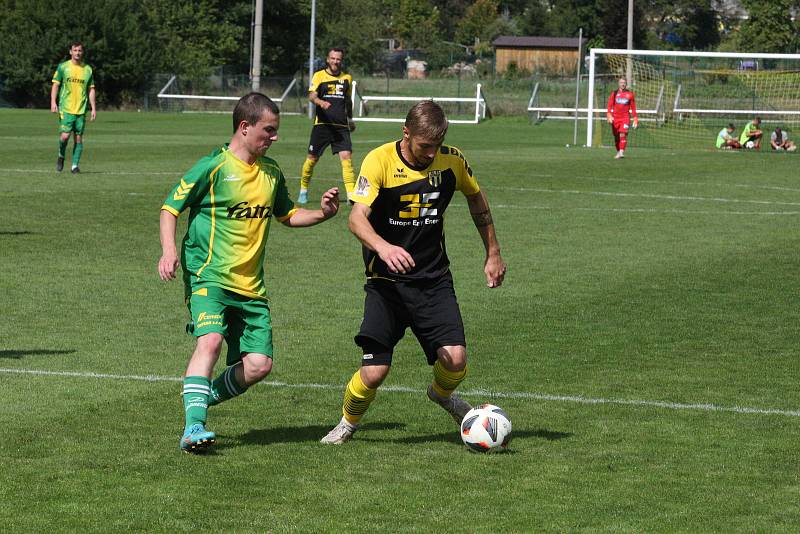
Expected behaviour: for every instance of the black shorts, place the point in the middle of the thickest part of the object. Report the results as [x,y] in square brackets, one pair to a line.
[430,308]
[323,135]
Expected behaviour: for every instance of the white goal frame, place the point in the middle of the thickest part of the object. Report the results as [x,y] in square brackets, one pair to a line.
[595,52]
[360,105]
[165,95]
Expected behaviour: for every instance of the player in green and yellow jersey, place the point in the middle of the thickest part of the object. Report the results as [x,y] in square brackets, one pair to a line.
[403,190]
[73,85]
[330,90]
[232,197]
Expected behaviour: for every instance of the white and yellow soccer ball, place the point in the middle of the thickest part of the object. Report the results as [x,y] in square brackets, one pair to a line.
[486,428]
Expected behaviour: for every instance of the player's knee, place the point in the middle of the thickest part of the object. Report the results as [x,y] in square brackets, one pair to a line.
[210,344]
[256,367]
[453,358]
[373,375]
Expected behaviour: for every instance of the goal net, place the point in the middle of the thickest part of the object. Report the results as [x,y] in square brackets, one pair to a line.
[684,99]
[386,108]
[219,94]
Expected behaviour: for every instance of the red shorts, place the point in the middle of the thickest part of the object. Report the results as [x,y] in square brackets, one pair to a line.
[621,126]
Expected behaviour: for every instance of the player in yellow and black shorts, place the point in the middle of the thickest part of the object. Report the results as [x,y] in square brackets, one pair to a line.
[330,90]
[73,85]
[232,197]
[403,190]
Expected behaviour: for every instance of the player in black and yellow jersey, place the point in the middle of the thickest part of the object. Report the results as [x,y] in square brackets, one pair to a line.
[330,90]
[403,190]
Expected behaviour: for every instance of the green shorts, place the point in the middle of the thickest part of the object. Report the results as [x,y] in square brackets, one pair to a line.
[243,321]
[68,123]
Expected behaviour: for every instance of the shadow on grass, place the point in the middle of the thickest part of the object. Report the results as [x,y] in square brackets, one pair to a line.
[453,436]
[15,232]
[292,434]
[21,353]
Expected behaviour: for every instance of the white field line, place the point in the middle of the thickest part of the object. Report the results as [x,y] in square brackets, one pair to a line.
[482,393]
[647,195]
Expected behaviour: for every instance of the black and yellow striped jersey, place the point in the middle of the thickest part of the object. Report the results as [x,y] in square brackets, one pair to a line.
[337,91]
[408,205]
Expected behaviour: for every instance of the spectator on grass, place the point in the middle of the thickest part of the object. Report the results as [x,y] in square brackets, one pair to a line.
[779,140]
[751,135]
[725,138]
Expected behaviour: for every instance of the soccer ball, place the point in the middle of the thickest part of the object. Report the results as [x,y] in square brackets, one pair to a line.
[486,428]
[749,144]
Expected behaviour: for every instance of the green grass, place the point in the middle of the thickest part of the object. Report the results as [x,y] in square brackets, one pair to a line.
[669,277]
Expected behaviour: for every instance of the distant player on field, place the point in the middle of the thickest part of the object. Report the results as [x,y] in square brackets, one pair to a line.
[403,190]
[232,196]
[621,107]
[752,134]
[331,89]
[72,85]
[726,139]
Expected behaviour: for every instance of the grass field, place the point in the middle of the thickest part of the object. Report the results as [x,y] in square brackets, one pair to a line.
[645,344]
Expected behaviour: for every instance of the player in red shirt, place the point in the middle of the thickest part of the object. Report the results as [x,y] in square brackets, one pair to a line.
[621,105]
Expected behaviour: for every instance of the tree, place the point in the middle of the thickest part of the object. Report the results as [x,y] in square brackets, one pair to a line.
[417,24]
[357,26]
[614,23]
[683,24]
[768,28]
[479,22]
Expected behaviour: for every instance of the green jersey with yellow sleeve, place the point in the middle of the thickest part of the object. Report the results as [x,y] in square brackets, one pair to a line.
[74,84]
[231,205]
[335,90]
[407,206]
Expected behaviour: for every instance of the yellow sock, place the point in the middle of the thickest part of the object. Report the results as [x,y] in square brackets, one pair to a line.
[348,177]
[444,381]
[357,397]
[307,173]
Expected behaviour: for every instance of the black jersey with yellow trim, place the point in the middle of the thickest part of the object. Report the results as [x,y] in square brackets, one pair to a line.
[337,91]
[408,204]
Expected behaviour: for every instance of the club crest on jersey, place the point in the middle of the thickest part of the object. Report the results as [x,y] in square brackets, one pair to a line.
[435,178]
[362,186]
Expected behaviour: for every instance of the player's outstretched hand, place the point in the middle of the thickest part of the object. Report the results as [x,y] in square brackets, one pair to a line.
[54,108]
[329,203]
[168,266]
[397,258]
[495,269]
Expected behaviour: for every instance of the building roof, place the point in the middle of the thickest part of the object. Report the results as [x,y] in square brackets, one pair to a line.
[528,41]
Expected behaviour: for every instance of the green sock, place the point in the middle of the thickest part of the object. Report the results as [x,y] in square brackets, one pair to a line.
[226,386]
[76,154]
[196,390]
[62,147]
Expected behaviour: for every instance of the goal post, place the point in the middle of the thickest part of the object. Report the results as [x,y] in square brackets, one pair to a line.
[685,98]
[385,108]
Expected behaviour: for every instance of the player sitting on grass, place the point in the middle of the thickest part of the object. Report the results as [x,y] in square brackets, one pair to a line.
[725,138]
[779,140]
[232,195]
[751,135]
